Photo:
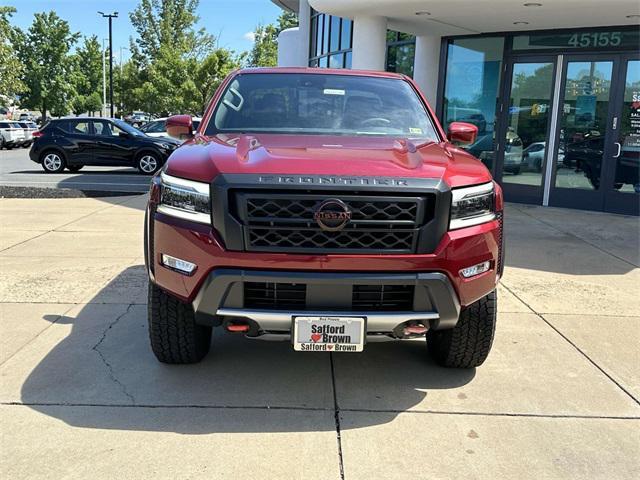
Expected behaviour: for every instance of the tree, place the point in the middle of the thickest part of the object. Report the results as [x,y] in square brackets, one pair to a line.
[165,55]
[93,103]
[169,24]
[44,52]
[11,68]
[210,73]
[88,66]
[265,46]
[168,85]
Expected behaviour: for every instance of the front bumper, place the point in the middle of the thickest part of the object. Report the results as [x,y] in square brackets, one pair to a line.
[220,298]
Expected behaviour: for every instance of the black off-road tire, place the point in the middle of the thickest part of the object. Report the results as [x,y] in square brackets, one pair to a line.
[175,336]
[469,343]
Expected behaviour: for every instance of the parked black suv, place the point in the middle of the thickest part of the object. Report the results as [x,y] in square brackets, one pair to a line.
[75,142]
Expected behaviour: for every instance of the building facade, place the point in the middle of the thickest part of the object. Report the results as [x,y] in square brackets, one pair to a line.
[553,86]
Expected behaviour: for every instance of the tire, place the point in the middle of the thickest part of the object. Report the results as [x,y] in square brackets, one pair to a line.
[175,336]
[468,344]
[148,163]
[75,168]
[52,161]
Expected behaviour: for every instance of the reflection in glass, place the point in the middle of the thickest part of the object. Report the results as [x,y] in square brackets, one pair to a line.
[583,124]
[345,38]
[528,121]
[400,58]
[471,93]
[336,61]
[627,178]
[320,28]
[334,43]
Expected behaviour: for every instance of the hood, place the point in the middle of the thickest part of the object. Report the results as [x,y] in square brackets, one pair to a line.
[203,158]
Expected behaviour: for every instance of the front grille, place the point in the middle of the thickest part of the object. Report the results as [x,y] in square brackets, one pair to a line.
[284,222]
[308,239]
[383,297]
[274,296]
[295,208]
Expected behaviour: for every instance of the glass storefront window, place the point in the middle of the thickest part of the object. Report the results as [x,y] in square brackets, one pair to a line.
[334,43]
[400,58]
[473,71]
[401,50]
[330,41]
[336,61]
[583,125]
[345,36]
[529,113]
[325,36]
[347,60]
[627,167]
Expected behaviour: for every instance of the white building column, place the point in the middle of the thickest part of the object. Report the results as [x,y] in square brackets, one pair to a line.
[369,43]
[426,65]
[293,43]
[304,32]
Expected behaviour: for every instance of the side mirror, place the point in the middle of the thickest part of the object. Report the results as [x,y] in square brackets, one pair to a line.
[461,133]
[180,127]
[123,134]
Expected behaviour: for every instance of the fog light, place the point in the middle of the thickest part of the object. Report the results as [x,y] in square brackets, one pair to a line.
[181,266]
[475,270]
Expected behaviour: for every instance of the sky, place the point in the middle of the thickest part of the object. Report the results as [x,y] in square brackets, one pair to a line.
[231,21]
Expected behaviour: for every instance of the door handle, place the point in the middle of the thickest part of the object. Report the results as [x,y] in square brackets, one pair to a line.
[619,150]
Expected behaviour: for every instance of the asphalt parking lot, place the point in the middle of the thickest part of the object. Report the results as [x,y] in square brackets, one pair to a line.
[82,396]
[17,170]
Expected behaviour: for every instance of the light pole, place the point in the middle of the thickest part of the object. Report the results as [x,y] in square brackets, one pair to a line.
[104,80]
[110,16]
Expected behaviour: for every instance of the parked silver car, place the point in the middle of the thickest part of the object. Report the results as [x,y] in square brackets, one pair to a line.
[28,128]
[11,134]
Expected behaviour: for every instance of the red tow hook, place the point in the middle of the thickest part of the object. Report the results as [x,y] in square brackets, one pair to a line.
[238,327]
[415,330]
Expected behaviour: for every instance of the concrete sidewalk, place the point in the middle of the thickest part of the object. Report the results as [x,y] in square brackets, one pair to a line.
[82,396]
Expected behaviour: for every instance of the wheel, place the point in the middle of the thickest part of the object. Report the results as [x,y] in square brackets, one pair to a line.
[175,336]
[75,168]
[148,163]
[515,171]
[52,162]
[468,344]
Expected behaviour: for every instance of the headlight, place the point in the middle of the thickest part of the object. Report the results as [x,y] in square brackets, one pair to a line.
[472,206]
[185,199]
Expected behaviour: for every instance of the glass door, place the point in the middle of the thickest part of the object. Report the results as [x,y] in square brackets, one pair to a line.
[525,128]
[584,136]
[622,178]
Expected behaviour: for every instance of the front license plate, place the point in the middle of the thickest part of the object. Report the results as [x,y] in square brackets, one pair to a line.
[328,334]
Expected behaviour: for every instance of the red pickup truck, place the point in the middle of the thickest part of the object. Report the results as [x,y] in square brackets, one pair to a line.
[328,207]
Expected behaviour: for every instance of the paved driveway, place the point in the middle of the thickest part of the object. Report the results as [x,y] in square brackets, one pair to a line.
[81,395]
[17,170]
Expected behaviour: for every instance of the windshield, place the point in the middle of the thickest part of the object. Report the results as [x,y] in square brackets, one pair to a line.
[321,104]
[128,128]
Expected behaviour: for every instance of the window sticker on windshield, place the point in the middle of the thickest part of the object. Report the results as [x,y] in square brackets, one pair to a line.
[333,91]
[417,131]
